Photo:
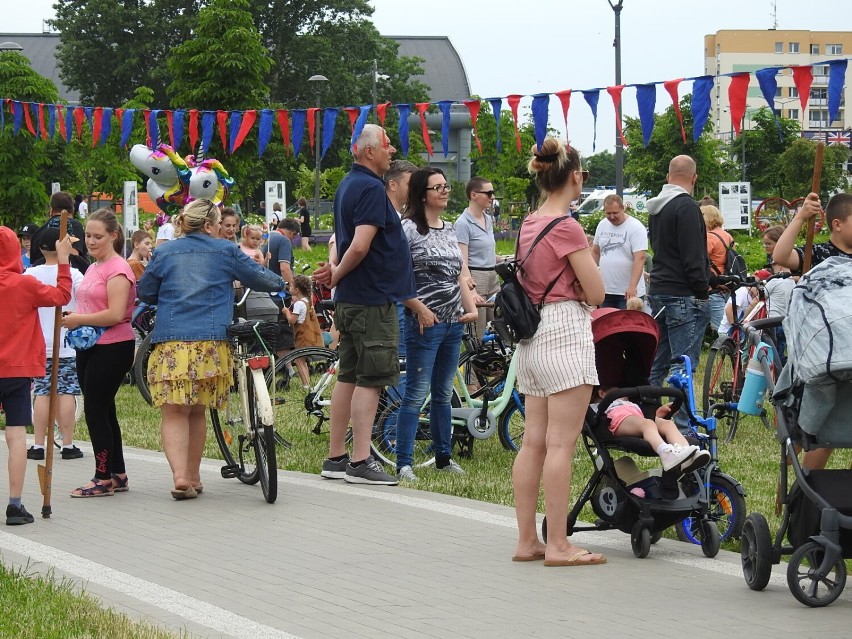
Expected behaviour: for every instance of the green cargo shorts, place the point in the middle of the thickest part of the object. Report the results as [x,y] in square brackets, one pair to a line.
[368,347]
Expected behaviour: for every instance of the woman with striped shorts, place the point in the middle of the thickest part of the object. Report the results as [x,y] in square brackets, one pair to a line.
[556,367]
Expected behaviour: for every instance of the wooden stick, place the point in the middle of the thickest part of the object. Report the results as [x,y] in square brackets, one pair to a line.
[45,472]
[811,227]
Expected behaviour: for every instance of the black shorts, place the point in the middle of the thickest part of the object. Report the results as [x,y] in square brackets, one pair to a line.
[15,397]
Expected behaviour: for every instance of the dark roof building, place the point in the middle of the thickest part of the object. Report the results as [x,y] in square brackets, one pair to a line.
[40,50]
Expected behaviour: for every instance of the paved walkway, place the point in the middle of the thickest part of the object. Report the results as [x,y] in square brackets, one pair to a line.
[333,560]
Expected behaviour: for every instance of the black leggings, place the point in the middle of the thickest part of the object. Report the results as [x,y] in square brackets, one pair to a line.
[101,370]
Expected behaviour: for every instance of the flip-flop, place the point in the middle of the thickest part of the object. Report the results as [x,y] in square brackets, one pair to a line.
[574,560]
[536,557]
[186,493]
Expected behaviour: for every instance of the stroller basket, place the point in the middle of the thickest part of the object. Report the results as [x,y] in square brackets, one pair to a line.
[244,333]
[805,515]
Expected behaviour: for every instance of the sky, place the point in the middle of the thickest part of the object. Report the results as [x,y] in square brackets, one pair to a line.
[544,46]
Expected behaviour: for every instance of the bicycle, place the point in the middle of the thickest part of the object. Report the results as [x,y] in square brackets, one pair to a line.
[724,370]
[496,407]
[245,429]
[144,316]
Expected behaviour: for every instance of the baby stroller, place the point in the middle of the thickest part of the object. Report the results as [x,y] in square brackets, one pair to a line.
[642,504]
[813,404]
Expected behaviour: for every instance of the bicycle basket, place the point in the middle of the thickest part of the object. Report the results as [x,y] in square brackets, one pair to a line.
[244,333]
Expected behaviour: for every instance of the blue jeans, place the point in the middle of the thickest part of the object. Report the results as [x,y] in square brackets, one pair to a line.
[682,325]
[431,364]
[717,309]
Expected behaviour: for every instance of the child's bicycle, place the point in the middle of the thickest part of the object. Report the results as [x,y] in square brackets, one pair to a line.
[496,406]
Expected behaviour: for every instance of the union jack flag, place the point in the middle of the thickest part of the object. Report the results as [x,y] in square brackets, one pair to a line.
[839,137]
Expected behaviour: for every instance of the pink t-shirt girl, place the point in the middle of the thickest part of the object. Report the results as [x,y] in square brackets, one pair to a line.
[549,256]
[92,296]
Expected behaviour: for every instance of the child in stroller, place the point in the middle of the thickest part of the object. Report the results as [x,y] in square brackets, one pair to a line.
[626,419]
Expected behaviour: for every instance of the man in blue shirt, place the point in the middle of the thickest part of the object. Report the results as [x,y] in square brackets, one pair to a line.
[374,272]
[280,253]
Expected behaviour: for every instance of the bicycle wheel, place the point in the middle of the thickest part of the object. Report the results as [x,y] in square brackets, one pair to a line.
[304,405]
[265,461]
[510,427]
[231,429]
[722,384]
[727,510]
[383,443]
[140,368]
[771,212]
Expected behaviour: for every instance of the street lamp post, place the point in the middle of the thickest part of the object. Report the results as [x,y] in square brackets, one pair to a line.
[619,149]
[376,77]
[317,80]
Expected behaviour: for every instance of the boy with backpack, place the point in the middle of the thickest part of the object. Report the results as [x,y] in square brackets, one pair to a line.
[67,385]
[22,353]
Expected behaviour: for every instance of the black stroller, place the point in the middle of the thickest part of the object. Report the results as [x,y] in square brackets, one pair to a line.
[642,504]
[813,404]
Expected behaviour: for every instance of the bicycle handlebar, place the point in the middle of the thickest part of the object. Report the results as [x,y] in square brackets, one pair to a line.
[739,282]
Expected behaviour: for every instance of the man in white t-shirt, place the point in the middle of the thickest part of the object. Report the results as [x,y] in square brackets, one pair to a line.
[619,248]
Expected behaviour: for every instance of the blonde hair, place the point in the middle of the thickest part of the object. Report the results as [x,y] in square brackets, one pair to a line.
[712,217]
[552,164]
[194,215]
[106,216]
[249,228]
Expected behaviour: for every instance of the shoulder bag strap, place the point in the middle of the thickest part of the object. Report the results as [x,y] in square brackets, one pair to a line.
[538,239]
[722,240]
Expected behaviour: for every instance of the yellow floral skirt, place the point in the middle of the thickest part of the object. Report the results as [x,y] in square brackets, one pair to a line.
[191,373]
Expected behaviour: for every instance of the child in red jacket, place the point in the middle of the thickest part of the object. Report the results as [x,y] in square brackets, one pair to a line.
[22,353]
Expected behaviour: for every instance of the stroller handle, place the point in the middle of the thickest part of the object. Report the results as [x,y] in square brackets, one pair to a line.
[644,394]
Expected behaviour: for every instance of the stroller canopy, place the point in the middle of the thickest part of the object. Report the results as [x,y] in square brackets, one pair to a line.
[625,344]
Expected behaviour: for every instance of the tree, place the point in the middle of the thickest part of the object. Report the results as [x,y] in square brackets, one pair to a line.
[646,167]
[796,165]
[764,145]
[601,168]
[23,158]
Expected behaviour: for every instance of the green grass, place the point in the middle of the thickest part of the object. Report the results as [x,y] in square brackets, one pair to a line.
[46,607]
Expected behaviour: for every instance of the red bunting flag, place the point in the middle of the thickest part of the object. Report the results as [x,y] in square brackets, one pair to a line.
[97,123]
[312,123]
[615,94]
[146,115]
[514,100]
[803,78]
[79,117]
[222,121]
[565,101]
[193,129]
[60,118]
[737,92]
[26,107]
[170,117]
[381,111]
[249,118]
[473,107]
[422,107]
[284,124]
[41,126]
[671,87]
[352,112]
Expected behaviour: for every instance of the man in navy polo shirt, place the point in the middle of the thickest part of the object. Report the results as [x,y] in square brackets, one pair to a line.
[373,273]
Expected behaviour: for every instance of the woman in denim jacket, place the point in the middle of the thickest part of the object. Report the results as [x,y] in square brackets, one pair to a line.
[190,369]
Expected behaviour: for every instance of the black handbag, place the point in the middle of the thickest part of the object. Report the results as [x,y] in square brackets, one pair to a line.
[512,306]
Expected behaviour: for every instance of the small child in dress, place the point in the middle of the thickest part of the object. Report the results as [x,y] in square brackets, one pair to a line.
[68,387]
[252,236]
[303,319]
[626,420]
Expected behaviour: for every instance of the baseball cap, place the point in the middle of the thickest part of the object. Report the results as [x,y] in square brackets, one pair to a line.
[48,239]
[27,230]
[763,274]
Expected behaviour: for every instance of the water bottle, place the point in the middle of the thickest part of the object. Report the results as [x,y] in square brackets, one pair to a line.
[754,387]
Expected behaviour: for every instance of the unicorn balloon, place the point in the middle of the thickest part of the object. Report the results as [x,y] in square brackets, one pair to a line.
[174,181]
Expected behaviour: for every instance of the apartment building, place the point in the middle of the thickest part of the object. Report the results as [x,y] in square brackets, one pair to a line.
[731,51]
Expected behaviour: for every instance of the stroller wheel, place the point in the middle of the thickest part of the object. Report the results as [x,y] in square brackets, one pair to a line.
[756,551]
[805,581]
[655,537]
[640,540]
[710,540]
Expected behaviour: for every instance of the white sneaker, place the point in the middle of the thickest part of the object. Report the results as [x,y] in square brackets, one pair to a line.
[406,473]
[676,455]
[699,460]
[452,467]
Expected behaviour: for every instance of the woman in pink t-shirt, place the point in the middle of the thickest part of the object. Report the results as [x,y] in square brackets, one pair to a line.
[105,297]
[556,367]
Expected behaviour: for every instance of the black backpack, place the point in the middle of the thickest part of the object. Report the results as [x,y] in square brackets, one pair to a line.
[512,306]
[734,262]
